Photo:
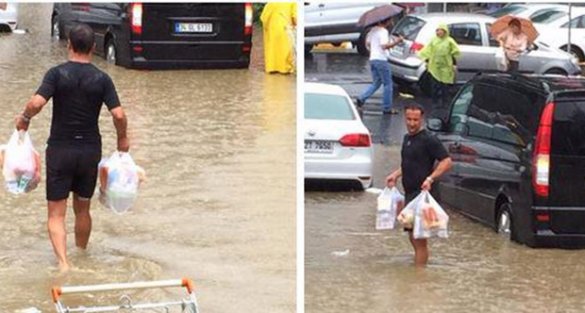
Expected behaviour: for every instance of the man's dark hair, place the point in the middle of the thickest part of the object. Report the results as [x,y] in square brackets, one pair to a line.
[414,107]
[82,38]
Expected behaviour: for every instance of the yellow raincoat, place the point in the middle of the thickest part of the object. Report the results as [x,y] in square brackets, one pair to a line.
[440,53]
[278,21]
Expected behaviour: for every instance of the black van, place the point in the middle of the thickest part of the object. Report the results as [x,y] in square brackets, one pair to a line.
[518,149]
[163,35]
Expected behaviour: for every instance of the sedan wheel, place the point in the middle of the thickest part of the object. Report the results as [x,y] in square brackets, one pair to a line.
[111,52]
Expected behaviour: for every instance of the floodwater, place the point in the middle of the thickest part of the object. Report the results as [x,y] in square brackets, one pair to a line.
[351,267]
[219,205]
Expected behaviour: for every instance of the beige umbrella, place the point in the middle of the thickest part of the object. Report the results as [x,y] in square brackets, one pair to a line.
[527,27]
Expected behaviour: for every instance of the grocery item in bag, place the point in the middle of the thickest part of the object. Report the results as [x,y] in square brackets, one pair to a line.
[430,220]
[119,180]
[390,201]
[21,163]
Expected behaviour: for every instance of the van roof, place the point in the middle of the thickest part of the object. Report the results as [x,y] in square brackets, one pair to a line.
[545,84]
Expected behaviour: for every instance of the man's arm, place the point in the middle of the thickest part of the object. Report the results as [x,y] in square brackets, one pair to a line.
[121,124]
[393,43]
[443,166]
[32,108]
[393,178]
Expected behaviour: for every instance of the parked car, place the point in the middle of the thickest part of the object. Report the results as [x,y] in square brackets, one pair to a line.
[477,45]
[555,32]
[338,147]
[527,10]
[163,35]
[9,17]
[330,22]
[518,149]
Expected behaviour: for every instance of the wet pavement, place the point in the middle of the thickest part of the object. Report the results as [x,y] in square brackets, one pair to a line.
[219,204]
[351,267]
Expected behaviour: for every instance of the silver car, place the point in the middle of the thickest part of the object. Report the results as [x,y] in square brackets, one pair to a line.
[478,49]
[8,16]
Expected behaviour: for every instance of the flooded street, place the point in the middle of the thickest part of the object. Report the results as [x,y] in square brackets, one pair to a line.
[218,147]
[351,267]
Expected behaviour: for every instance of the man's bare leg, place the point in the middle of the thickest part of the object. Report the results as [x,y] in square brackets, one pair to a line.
[82,221]
[57,231]
[421,251]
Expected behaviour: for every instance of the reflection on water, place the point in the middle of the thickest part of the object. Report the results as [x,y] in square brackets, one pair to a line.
[474,270]
[218,205]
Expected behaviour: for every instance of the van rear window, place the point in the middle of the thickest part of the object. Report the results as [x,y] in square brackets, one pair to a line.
[568,135]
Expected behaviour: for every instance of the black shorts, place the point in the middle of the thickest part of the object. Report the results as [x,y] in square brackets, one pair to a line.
[409,196]
[72,168]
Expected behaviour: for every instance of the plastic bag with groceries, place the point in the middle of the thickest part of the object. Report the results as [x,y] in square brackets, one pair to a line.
[119,179]
[425,216]
[21,163]
[390,201]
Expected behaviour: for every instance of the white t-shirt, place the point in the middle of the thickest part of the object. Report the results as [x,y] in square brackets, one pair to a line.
[377,37]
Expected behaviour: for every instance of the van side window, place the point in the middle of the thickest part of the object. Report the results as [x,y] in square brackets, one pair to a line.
[460,105]
[503,114]
[466,33]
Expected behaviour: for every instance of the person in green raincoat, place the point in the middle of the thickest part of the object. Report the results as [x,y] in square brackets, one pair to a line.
[440,55]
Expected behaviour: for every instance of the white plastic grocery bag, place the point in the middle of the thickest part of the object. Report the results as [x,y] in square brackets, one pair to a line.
[120,178]
[501,60]
[390,201]
[21,168]
[430,219]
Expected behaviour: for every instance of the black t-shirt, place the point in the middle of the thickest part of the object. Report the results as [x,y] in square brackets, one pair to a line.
[78,91]
[419,153]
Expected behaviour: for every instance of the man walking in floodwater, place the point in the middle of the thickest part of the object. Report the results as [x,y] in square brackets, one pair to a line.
[420,150]
[78,89]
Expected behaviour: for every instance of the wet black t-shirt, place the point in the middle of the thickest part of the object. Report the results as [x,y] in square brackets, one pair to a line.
[419,153]
[78,91]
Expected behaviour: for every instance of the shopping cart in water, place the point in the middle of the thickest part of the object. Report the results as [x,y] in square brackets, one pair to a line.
[187,305]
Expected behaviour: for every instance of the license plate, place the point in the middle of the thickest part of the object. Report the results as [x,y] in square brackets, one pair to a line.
[193,27]
[398,50]
[318,146]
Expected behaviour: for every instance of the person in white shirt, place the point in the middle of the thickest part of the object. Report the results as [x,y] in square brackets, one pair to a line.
[514,42]
[378,41]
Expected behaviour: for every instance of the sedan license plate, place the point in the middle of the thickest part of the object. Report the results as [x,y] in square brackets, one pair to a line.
[193,27]
[318,146]
[398,50]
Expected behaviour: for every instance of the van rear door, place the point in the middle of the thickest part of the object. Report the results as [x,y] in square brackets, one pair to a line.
[194,31]
[567,165]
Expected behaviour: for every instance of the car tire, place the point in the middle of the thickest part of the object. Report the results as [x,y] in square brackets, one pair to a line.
[56,32]
[576,52]
[505,222]
[556,71]
[111,53]
[361,45]
[425,84]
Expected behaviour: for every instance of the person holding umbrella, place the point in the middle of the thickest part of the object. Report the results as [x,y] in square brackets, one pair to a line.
[440,54]
[378,42]
[515,36]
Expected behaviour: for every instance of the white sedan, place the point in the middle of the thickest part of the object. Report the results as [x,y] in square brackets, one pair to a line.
[555,32]
[338,146]
[8,16]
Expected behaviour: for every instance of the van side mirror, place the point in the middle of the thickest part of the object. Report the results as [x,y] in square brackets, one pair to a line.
[435,124]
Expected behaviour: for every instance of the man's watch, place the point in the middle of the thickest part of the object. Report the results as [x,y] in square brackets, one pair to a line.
[430,179]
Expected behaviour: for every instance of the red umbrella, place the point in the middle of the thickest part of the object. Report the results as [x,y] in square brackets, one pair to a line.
[378,14]
[527,27]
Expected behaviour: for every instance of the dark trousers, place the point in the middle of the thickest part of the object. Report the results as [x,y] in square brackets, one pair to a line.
[512,66]
[440,98]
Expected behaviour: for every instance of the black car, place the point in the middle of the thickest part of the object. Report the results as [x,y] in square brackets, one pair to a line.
[163,35]
[518,149]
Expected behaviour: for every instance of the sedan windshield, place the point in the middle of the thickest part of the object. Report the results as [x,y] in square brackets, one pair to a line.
[327,107]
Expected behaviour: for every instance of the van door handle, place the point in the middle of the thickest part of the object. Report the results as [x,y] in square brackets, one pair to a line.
[321,5]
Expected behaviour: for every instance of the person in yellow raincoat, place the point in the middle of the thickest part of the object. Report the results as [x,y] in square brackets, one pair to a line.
[278,21]
[440,54]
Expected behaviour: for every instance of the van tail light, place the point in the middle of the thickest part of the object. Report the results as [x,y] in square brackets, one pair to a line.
[136,18]
[249,19]
[541,157]
[355,140]
[416,47]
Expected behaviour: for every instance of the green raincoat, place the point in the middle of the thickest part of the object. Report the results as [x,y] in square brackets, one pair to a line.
[440,53]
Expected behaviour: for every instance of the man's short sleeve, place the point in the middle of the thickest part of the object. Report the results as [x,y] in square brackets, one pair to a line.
[110,95]
[436,148]
[49,85]
[384,37]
